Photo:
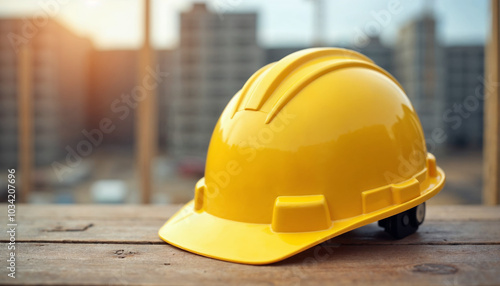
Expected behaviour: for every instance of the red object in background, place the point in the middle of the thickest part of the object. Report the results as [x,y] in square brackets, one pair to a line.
[190,167]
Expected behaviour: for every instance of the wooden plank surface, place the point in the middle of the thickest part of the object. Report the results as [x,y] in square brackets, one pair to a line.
[96,245]
[94,264]
[131,212]
[145,232]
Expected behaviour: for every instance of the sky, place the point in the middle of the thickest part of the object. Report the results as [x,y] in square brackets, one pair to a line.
[117,24]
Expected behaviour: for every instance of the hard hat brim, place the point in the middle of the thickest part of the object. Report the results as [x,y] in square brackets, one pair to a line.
[250,243]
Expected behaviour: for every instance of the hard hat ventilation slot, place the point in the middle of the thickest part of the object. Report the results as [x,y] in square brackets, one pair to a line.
[383,197]
[431,165]
[300,214]
[405,191]
[199,194]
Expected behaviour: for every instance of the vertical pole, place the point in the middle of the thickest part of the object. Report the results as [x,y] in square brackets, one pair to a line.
[491,191]
[25,121]
[145,115]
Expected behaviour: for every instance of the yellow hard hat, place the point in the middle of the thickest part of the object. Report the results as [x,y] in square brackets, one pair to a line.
[317,144]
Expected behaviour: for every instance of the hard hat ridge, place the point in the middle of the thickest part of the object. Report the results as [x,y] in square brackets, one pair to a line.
[279,82]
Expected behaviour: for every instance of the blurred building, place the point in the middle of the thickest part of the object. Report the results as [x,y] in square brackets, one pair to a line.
[216,55]
[463,113]
[444,84]
[276,54]
[419,69]
[113,78]
[381,54]
[60,71]
[113,74]
[164,59]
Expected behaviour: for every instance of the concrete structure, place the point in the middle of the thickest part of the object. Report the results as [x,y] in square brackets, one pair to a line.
[444,84]
[215,57]
[419,68]
[60,71]
[164,58]
[276,54]
[114,76]
[464,90]
[381,54]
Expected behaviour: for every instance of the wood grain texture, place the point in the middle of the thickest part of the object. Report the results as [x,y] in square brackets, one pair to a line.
[145,232]
[140,224]
[163,212]
[97,264]
[102,245]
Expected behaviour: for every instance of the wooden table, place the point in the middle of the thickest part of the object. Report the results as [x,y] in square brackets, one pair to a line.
[95,245]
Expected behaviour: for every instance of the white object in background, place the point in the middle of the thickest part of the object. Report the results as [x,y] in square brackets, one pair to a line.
[109,192]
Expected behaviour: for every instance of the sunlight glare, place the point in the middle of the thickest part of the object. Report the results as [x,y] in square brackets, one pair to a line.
[93,3]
